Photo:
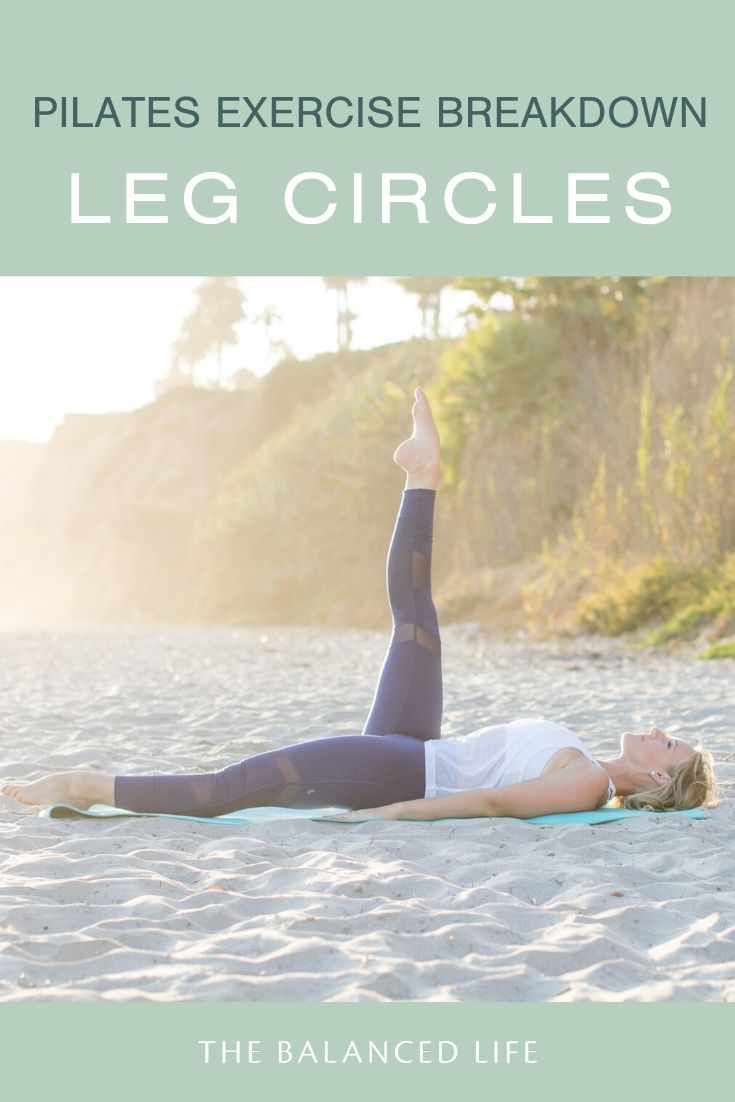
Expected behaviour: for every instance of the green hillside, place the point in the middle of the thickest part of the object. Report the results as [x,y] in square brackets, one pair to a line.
[589,458]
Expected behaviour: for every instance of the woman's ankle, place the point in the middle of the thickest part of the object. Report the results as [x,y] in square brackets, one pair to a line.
[426,479]
[96,787]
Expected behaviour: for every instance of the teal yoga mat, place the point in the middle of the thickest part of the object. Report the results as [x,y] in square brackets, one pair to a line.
[266,814]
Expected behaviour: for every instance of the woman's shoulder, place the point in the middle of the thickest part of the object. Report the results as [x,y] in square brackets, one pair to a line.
[596,777]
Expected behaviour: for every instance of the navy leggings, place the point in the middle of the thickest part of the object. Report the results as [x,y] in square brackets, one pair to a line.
[382,765]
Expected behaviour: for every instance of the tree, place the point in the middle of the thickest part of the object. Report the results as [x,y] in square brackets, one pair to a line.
[271,319]
[593,307]
[210,326]
[345,317]
[428,290]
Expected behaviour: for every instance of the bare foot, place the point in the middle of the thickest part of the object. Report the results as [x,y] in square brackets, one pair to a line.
[420,454]
[77,789]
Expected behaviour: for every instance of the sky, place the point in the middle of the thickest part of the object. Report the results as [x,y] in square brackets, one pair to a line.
[98,344]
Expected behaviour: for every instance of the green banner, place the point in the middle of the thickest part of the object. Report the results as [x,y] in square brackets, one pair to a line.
[363,1051]
[337,138]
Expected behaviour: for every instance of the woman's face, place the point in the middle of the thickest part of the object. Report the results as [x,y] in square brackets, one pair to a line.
[654,752]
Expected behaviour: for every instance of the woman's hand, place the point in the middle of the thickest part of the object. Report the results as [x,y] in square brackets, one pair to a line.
[389,811]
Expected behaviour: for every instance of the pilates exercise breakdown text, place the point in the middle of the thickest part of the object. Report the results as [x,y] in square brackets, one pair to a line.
[481,186]
[340,112]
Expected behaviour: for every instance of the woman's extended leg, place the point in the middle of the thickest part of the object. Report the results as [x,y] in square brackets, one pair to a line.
[354,771]
[408,697]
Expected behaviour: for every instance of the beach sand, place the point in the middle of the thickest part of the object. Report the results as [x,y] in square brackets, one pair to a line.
[487,910]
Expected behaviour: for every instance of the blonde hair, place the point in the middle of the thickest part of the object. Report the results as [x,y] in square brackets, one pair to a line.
[692,784]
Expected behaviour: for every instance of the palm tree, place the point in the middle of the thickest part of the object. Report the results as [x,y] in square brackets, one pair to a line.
[428,290]
[210,325]
[271,319]
[345,317]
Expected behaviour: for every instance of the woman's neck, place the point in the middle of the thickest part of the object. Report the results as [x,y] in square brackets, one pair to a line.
[618,772]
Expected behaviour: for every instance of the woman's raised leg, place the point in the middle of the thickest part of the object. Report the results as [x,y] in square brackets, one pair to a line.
[408,697]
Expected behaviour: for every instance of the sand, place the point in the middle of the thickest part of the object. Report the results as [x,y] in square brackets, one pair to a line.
[488,910]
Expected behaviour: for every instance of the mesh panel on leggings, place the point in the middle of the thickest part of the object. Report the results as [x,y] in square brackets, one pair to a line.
[291,775]
[420,571]
[213,791]
[405,632]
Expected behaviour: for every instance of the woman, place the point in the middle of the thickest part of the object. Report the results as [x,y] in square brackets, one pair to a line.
[399,768]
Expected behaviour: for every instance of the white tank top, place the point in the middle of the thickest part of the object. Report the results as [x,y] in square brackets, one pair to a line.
[494,757]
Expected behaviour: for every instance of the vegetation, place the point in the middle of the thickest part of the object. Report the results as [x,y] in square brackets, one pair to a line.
[210,325]
[719,650]
[601,415]
[589,459]
[589,454]
[300,530]
[428,293]
[345,316]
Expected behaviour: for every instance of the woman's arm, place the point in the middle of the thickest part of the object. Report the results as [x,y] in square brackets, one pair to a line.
[573,788]
[462,805]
